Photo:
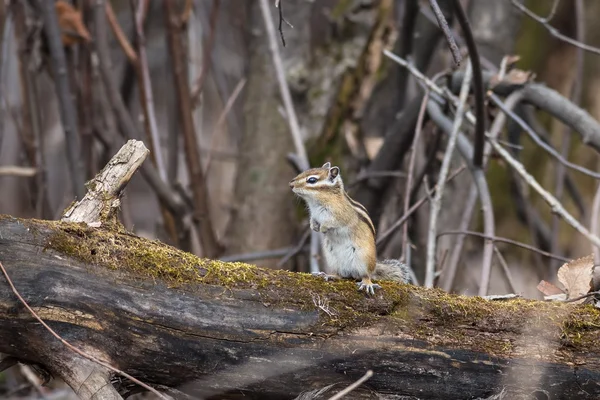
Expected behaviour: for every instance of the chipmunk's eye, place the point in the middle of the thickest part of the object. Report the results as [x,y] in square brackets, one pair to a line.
[312,180]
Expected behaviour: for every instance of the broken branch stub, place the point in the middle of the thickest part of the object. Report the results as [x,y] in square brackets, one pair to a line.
[102,197]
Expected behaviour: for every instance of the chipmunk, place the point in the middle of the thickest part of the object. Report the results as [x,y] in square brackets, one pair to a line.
[349,233]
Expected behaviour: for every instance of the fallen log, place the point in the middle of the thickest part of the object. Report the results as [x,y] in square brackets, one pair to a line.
[217,329]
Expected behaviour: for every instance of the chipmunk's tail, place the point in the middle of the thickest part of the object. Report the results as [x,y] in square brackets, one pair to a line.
[391,270]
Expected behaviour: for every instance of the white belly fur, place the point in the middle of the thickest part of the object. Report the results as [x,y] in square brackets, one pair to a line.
[342,256]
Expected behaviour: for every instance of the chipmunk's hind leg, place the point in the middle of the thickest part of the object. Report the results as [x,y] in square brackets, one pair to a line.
[368,286]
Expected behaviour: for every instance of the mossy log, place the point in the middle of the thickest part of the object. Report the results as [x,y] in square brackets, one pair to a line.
[220,329]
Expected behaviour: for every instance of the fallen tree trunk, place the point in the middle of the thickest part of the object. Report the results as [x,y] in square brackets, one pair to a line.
[210,328]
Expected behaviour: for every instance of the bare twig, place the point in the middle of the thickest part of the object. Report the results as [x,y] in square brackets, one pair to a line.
[383,236]
[102,199]
[589,294]
[289,110]
[535,137]
[68,113]
[296,249]
[281,20]
[146,90]
[283,86]
[446,280]
[221,121]
[207,51]
[439,16]
[576,90]
[554,204]
[509,278]
[478,88]
[436,203]
[411,164]
[119,34]
[350,388]
[70,346]
[259,255]
[552,30]
[126,124]
[506,240]
[210,245]
[15,170]
[594,223]
[375,174]
[466,150]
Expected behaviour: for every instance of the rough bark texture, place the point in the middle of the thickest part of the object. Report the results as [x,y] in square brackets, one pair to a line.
[170,318]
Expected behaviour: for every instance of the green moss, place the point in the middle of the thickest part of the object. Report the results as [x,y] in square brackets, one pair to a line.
[439,318]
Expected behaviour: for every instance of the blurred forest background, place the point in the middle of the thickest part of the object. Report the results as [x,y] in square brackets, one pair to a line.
[196,81]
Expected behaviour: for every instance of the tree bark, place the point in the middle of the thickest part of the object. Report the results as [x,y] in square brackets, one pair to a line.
[215,329]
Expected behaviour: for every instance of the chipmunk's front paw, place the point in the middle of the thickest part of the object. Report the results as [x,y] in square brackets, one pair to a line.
[315,226]
[368,286]
[325,276]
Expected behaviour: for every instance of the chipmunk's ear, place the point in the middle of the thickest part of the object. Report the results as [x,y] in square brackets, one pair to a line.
[334,172]
[326,165]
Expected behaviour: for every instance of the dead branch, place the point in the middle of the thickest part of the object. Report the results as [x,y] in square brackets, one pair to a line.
[441,20]
[68,113]
[436,203]
[102,198]
[167,317]
[208,239]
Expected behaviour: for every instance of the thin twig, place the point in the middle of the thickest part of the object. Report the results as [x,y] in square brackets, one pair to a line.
[146,90]
[119,34]
[583,296]
[509,278]
[258,255]
[383,236]
[466,151]
[296,249]
[447,279]
[210,245]
[281,21]
[554,204]
[289,110]
[206,54]
[411,165]
[535,137]
[576,90]
[553,31]
[436,204]
[15,170]
[126,125]
[505,240]
[478,88]
[68,113]
[364,176]
[283,85]
[350,388]
[439,16]
[73,348]
[221,120]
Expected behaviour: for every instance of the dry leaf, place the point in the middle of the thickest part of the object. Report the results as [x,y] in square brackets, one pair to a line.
[71,24]
[549,289]
[576,276]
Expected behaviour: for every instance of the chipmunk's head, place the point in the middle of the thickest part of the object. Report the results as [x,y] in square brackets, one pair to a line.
[318,181]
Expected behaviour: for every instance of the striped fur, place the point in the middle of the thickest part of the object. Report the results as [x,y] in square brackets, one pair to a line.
[348,232]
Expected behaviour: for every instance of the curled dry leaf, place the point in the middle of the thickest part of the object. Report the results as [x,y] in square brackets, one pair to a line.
[576,276]
[71,24]
[549,289]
